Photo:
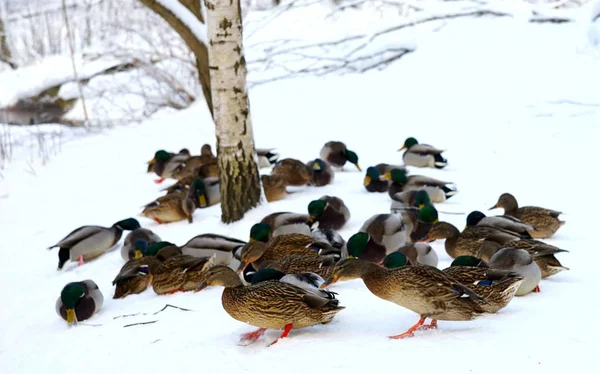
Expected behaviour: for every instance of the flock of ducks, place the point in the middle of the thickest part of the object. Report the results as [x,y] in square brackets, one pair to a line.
[279,278]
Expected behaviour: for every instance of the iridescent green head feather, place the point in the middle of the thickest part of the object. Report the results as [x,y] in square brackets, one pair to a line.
[372,172]
[128,224]
[466,261]
[71,294]
[260,232]
[266,274]
[422,199]
[162,155]
[352,157]
[154,248]
[409,142]
[316,207]
[474,217]
[398,176]
[428,214]
[357,244]
[395,260]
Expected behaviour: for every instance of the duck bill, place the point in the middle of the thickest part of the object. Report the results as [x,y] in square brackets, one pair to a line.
[421,206]
[387,176]
[241,268]
[367,181]
[152,161]
[202,201]
[358,167]
[329,282]
[252,240]
[429,239]
[494,207]
[137,253]
[202,286]
[401,149]
[316,166]
[71,318]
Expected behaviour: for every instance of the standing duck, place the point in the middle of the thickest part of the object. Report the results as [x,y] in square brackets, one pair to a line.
[422,289]
[272,304]
[88,242]
[545,221]
[422,155]
[502,222]
[79,301]
[293,171]
[274,187]
[337,154]
[136,242]
[521,262]
[329,212]
[322,173]
[438,190]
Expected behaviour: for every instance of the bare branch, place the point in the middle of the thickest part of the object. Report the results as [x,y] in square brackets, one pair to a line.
[140,323]
[172,306]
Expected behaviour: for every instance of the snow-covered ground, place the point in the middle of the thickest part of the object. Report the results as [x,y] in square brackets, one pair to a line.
[517,107]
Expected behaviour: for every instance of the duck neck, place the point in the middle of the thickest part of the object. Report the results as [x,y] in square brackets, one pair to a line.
[452,238]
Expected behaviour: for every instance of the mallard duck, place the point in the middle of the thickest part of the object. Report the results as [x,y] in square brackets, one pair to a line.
[136,242]
[329,212]
[497,287]
[322,173]
[206,245]
[79,301]
[521,262]
[186,177]
[422,289]
[307,281]
[419,222]
[477,241]
[409,200]
[256,252]
[545,221]
[274,187]
[88,242]
[266,157]
[419,253]
[337,154]
[388,230]
[190,165]
[280,223]
[502,222]
[133,278]
[337,250]
[422,155]
[183,153]
[271,304]
[543,255]
[469,261]
[374,181]
[293,171]
[165,162]
[438,190]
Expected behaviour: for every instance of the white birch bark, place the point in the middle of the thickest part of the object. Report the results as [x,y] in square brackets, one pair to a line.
[240,185]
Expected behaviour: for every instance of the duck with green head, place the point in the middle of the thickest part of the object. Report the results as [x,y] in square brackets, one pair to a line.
[79,301]
[165,163]
[422,155]
[89,242]
[279,223]
[374,181]
[337,154]
[141,235]
[502,222]
[421,221]
[322,173]
[439,191]
[329,212]
[409,200]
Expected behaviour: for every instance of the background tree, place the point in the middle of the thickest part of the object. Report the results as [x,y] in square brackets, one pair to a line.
[240,185]
[5,55]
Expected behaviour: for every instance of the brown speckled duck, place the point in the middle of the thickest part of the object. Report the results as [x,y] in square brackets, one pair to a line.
[293,171]
[274,187]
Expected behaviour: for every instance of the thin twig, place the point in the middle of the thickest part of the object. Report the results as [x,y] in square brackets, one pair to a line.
[129,315]
[141,323]
[172,306]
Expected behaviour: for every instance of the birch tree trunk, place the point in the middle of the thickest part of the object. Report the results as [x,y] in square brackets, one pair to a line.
[240,184]
[5,55]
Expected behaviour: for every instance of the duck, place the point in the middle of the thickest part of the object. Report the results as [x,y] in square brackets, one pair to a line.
[206,245]
[134,277]
[374,181]
[422,155]
[136,242]
[274,187]
[418,253]
[409,200]
[165,163]
[184,152]
[388,230]
[419,222]
[279,223]
[502,222]
[521,262]
[271,304]
[543,255]
[337,245]
[477,241]
[79,301]
[329,212]
[545,221]
[422,289]
[322,173]
[266,157]
[294,172]
[285,245]
[177,207]
[190,164]
[337,154]
[186,176]
[438,190]
[308,281]
[470,261]
[89,242]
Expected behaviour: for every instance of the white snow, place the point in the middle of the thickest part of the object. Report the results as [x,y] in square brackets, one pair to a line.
[187,17]
[516,105]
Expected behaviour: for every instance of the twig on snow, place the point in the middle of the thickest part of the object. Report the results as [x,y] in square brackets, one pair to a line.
[129,315]
[172,306]
[141,323]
